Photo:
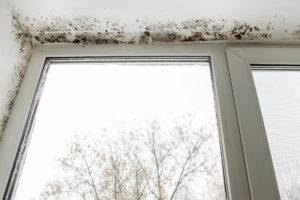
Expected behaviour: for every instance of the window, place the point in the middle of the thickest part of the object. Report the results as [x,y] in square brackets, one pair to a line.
[269,75]
[246,166]
[133,130]
[277,90]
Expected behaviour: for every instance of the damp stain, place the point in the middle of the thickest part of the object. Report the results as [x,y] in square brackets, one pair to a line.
[23,37]
[31,32]
[90,30]
[15,82]
[296,33]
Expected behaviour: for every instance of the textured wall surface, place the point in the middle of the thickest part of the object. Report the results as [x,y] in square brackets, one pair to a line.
[26,24]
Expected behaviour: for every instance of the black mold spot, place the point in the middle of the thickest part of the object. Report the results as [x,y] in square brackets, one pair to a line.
[144,39]
[87,30]
[197,36]
[24,37]
[147,33]
[76,41]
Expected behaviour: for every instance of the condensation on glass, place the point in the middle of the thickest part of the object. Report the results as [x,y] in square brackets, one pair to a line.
[279,98]
[125,131]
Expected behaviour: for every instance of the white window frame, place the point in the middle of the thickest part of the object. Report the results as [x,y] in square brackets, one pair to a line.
[262,179]
[245,178]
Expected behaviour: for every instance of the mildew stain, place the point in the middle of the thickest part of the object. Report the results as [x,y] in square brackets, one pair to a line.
[23,37]
[15,82]
[89,30]
[296,33]
[31,32]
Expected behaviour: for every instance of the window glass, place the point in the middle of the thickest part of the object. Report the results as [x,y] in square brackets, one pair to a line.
[279,98]
[124,131]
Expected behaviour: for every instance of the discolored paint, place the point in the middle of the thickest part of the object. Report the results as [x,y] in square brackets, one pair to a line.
[17,76]
[31,32]
[296,33]
[88,30]
[24,40]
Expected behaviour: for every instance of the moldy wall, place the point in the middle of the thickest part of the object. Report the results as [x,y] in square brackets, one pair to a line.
[26,24]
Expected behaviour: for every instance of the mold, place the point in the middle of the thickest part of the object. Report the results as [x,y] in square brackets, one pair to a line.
[90,30]
[31,32]
[296,33]
[24,38]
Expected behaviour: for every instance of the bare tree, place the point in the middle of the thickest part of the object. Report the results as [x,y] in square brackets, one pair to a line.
[149,162]
[173,156]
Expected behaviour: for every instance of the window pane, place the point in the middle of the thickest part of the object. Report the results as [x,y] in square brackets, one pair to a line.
[125,131]
[279,98]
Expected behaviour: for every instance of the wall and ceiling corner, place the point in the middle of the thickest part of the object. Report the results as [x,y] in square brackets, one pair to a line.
[27,24]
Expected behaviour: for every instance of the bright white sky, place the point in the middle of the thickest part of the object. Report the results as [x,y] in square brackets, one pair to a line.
[82,98]
[279,98]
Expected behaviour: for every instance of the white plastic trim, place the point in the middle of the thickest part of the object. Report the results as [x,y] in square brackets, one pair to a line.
[234,162]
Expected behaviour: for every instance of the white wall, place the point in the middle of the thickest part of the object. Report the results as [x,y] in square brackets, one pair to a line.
[280,15]
[9,63]
[254,11]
